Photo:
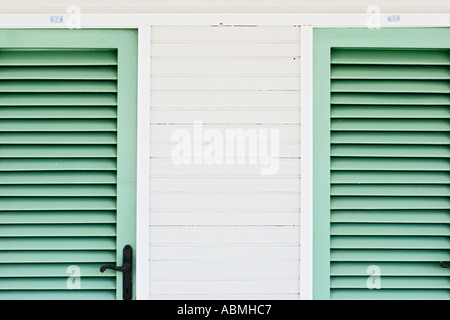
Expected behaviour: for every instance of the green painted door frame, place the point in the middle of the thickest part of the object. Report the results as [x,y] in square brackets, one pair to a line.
[324,41]
[124,42]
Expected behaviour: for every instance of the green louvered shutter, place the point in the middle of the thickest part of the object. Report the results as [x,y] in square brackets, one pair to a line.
[389,178]
[60,164]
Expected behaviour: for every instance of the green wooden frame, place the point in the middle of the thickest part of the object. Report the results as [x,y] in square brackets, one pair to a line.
[125,41]
[324,41]
[127,46]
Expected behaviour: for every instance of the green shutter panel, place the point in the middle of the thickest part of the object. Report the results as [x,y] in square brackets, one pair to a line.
[390,172]
[58,172]
[381,163]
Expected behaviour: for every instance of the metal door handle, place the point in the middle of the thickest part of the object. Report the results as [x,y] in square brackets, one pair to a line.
[127,270]
[124,268]
[445,264]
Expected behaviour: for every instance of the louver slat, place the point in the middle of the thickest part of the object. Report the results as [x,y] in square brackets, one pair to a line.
[55,284]
[390,182]
[42,270]
[390,229]
[384,151]
[56,164]
[58,112]
[57,57]
[437,138]
[399,269]
[57,256]
[44,125]
[393,282]
[396,125]
[389,242]
[390,294]
[390,255]
[58,149]
[57,217]
[389,177]
[58,99]
[56,190]
[397,99]
[57,203]
[58,86]
[391,216]
[96,230]
[390,112]
[390,57]
[58,73]
[57,177]
[40,243]
[58,295]
[390,164]
[390,86]
[57,138]
[399,190]
[389,72]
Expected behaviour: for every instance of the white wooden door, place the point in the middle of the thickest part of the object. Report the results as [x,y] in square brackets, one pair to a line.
[225,229]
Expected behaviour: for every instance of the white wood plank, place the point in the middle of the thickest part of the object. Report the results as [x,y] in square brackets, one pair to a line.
[262,297]
[281,202]
[286,149]
[214,49]
[228,108]
[224,33]
[226,67]
[164,132]
[249,287]
[224,82]
[183,116]
[166,168]
[219,185]
[220,218]
[224,235]
[224,270]
[194,99]
[175,253]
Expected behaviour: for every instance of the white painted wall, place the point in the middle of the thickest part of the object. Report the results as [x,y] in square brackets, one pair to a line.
[141,6]
[224,231]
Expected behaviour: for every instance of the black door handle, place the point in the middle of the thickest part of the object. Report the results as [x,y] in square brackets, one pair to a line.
[445,264]
[124,268]
[127,270]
